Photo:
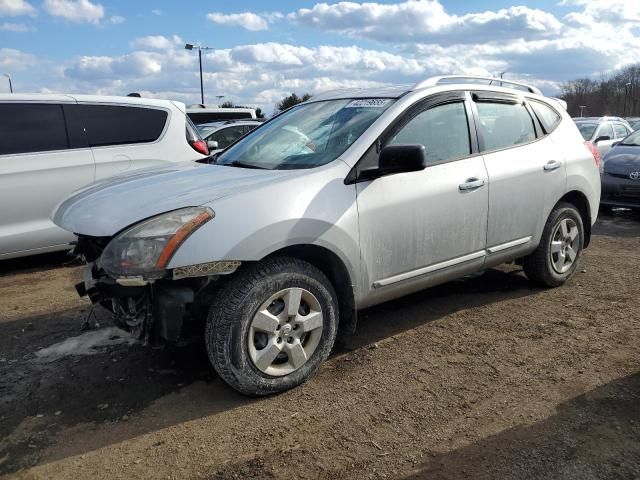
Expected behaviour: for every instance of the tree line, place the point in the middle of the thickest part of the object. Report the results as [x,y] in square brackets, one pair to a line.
[617,94]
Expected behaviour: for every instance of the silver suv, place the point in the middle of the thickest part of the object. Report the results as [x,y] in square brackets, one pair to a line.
[340,203]
[603,132]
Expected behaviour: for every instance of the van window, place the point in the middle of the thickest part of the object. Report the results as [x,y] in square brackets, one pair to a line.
[31,127]
[207,117]
[120,125]
[504,125]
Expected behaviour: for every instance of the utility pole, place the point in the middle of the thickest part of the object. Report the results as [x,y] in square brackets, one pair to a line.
[626,90]
[10,84]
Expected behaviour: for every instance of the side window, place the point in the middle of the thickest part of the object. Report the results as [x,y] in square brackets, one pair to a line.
[443,130]
[605,131]
[548,117]
[227,136]
[32,127]
[621,130]
[504,125]
[119,125]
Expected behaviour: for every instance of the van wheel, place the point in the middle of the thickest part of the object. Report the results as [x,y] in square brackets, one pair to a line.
[271,326]
[556,258]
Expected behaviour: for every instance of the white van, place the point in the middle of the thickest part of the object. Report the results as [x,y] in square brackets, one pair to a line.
[51,145]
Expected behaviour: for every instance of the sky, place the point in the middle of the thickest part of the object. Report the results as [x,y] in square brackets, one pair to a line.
[260,51]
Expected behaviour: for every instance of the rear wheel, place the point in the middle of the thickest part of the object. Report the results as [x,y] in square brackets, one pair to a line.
[270,328]
[556,258]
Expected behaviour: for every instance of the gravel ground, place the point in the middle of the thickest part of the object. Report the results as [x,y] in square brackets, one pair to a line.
[486,377]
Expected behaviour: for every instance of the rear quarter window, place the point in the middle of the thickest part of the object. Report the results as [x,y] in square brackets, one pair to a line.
[32,127]
[120,125]
[547,116]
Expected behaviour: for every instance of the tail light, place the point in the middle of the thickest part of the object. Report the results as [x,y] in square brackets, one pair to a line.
[200,146]
[194,139]
[594,151]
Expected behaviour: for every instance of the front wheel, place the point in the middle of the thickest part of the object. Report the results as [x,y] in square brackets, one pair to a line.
[556,258]
[270,328]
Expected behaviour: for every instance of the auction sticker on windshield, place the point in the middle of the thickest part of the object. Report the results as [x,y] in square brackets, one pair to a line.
[368,102]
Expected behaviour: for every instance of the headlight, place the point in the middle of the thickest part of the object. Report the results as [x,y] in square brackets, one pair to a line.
[146,248]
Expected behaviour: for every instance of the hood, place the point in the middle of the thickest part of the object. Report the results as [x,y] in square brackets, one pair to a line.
[622,160]
[106,207]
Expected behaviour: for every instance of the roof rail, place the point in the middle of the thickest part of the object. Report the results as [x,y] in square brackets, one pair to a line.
[433,81]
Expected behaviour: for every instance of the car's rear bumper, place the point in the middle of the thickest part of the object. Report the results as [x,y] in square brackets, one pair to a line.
[620,192]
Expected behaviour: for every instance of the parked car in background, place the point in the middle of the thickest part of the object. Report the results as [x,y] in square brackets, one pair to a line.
[603,131]
[51,145]
[621,174]
[206,114]
[351,199]
[219,135]
[634,122]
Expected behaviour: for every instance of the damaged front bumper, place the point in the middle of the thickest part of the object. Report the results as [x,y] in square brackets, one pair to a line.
[156,311]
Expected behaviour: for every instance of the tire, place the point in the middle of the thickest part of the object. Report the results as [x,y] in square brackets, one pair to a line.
[250,301]
[543,265]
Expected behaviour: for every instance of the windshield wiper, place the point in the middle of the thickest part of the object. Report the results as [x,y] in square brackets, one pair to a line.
[241,164]
[630,144]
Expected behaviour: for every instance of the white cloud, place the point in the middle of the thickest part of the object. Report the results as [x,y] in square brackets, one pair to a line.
[612,11]
[77,11]
[12,59]
[15,27]
[246,20]
[154,42]
[116,19]
[426,21]
[157,12]
[14,8]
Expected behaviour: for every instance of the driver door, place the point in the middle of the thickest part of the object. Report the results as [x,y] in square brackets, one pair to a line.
[426,227]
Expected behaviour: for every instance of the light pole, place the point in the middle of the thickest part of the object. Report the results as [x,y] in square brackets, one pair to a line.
[626,89]
[582,107]
[190,46]
[10,85]
[502,75]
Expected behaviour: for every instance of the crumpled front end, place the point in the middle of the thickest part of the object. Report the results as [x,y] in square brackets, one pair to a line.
[159,310]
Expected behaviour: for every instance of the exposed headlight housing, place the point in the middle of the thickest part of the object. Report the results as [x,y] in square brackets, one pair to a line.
[147,247]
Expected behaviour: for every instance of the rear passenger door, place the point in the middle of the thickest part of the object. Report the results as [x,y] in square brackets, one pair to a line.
[526,172]
[41,162]
[123,137]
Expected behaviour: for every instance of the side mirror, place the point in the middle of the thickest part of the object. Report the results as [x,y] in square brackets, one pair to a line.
[602,138]
[401,159]
[212,144]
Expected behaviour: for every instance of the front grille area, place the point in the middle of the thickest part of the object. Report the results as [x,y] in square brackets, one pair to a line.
[91,247]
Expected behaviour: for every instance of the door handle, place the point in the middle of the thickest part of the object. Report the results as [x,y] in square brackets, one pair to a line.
[552,165]
[471,184]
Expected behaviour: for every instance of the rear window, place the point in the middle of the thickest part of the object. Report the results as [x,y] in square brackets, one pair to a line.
[120,125]
[32,127]
[548,117]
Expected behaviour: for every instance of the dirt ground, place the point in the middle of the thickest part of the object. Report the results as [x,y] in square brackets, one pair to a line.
[483,378]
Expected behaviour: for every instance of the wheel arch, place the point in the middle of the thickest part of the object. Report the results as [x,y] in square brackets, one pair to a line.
[581,202]
[336,271]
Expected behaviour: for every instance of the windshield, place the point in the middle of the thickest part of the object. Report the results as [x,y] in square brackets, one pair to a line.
[306,136]
[587,129]
[633,139]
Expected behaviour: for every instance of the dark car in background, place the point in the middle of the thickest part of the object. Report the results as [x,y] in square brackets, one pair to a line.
[621,174]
